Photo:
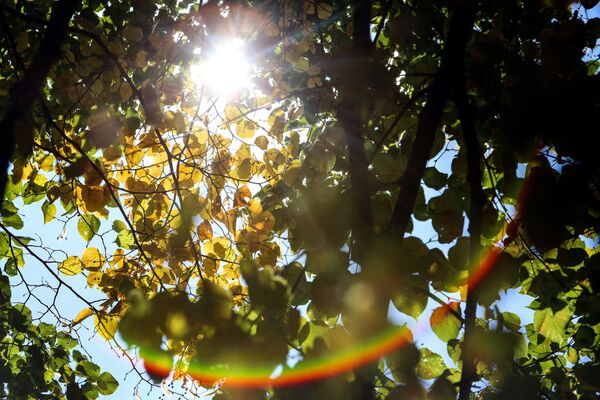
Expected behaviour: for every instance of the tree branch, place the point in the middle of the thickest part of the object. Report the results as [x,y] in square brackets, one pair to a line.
[429,119]
[474,174]
[24,93]
[349,117]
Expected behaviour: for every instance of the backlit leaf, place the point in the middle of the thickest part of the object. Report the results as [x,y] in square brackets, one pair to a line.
[71,266]
[49,210]
[88,226]
[552,324]
[83,314]
[106,324]
[431,365]
[444,323]
[92,259]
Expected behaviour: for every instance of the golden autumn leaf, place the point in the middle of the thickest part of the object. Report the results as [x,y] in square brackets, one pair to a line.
[133,155]
[92,259]
[71,266]
[91,198]
[106,324]
[94,278]
[245,129]
[200,134]
[262,142]
[254,206]
[262,222]
[83,314]
[205,231]
[219,247]
[241,197]
[233,112]
[118,259]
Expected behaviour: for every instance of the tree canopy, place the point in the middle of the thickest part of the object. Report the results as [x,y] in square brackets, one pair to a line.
[268,191]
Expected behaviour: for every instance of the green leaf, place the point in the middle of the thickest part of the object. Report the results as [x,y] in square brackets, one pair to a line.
[411,301]
[88,369]
[125,239]
[552,324]
[88,226]
[444,323]
[431,364]
[49,210]
[511,321]
[10,268]
[572,355]
[571,257]
[434,178]
[4,246]
[107,384]
[119,225]
[326,261]
[13,220]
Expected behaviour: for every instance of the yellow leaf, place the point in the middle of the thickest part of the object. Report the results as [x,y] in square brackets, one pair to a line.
[243,171]
[463,292]
[133,155]
[245,129]
[205,231]
[118,259]
[241,197]
[47,163]
[92,259]
[262,142]
[219,247]
[252,239]
[292,173]
[276,118]
[94,278]
[201,134]
[263,222]
[83,314]
[230,220]
[106,324]
[233,112]
[71,266]
[92,198]
[254,206]
[243,153]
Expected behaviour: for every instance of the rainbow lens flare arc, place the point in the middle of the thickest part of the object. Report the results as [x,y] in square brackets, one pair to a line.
[311,370]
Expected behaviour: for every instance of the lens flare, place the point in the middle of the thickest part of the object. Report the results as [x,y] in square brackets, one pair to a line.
[329,365]
[227,71]
[309,370]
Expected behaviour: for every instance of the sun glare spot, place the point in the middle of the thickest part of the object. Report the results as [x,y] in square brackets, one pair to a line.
[224,70]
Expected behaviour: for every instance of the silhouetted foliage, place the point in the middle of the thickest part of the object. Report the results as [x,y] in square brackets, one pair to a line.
[249,222]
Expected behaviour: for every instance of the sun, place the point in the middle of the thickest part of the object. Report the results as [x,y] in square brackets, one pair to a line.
[225,70]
